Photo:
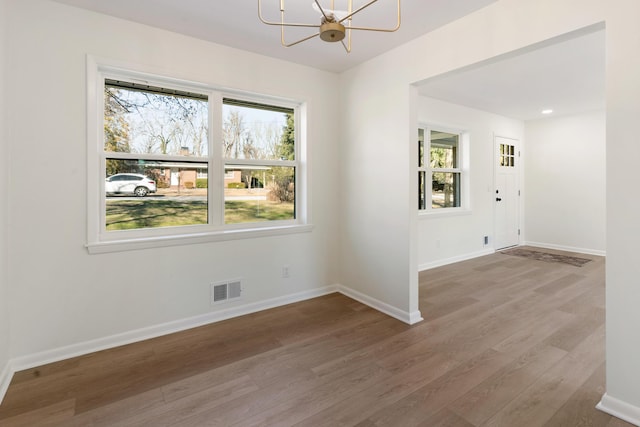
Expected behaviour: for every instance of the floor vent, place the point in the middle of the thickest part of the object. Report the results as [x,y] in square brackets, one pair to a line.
[225,291]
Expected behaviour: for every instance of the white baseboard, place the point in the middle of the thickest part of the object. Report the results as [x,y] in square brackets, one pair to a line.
[79,349]
[566,248]
[5,379]
[619,409]
[404,316]
[452,260]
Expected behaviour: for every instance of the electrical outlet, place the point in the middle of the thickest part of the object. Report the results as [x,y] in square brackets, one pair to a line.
[285,271]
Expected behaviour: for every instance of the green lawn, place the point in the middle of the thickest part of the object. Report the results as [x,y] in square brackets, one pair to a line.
[238,211]
[150,213]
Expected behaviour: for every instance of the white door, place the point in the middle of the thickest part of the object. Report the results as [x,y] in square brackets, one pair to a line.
[507,193]
[175,177]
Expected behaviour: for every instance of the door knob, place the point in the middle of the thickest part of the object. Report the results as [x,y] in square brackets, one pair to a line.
[498,199]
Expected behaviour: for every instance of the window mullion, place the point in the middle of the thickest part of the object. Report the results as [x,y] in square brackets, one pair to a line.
[216,162]
[252,162]
[102,155]
[442,146]
[447,170]
[152,157]
[123,161]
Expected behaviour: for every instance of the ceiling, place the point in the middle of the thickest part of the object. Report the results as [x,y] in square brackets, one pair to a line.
[235,23]
[567,75]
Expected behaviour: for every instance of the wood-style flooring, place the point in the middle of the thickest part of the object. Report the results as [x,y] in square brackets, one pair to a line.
[506,341]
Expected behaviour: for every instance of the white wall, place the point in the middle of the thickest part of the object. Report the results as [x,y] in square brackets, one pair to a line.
[376,203]
[4,164]
[379,225]
[623,206]
[565,180]
[62,296]
[443,239]
[66,296]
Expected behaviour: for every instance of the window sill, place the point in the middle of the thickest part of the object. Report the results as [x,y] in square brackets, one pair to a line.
[191,239]
[447,212]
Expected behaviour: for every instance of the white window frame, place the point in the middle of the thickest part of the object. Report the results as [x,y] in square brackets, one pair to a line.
[462,169]
[99,240]
[264,162]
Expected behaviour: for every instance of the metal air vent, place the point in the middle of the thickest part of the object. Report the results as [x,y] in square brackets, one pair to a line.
[225,291]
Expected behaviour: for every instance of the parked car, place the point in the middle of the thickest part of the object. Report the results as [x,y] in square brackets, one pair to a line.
[129,183]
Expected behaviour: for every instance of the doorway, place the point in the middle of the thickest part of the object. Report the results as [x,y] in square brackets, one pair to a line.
[507,192]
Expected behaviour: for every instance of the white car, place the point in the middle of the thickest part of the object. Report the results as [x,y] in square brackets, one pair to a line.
[129,183]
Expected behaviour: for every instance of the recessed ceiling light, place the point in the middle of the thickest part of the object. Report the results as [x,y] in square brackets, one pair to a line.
[547,111]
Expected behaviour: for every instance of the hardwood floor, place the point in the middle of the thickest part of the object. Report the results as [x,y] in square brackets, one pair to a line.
[506,341]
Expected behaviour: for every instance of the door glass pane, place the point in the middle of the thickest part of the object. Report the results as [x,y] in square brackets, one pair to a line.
[507,157]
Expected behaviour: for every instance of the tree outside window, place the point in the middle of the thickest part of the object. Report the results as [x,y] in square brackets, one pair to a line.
[439,174]
[163,133]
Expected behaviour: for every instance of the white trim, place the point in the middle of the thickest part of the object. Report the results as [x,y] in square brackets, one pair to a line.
[519,171]
[404,316]
[453,260]
[99,240]
[415,317]
[79,349]
[192,239]
[586,251]
[87,347]
[5,379]
[619,409]
[463,168]
[439,213]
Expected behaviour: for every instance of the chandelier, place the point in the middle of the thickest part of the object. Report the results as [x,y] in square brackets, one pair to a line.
[335,25]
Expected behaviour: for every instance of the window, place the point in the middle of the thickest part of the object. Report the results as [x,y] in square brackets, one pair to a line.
[155,141]
[507,155]
[259,162]
[174,159]
[440,172]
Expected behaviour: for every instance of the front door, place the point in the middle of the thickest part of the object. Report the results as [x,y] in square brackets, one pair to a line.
[507,193]
[175,177]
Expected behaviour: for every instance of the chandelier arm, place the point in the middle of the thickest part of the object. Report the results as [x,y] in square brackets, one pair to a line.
[322,10]
[347,47]
[327,34]
[359,9]
[296,42]
[382,30]
[286,24]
